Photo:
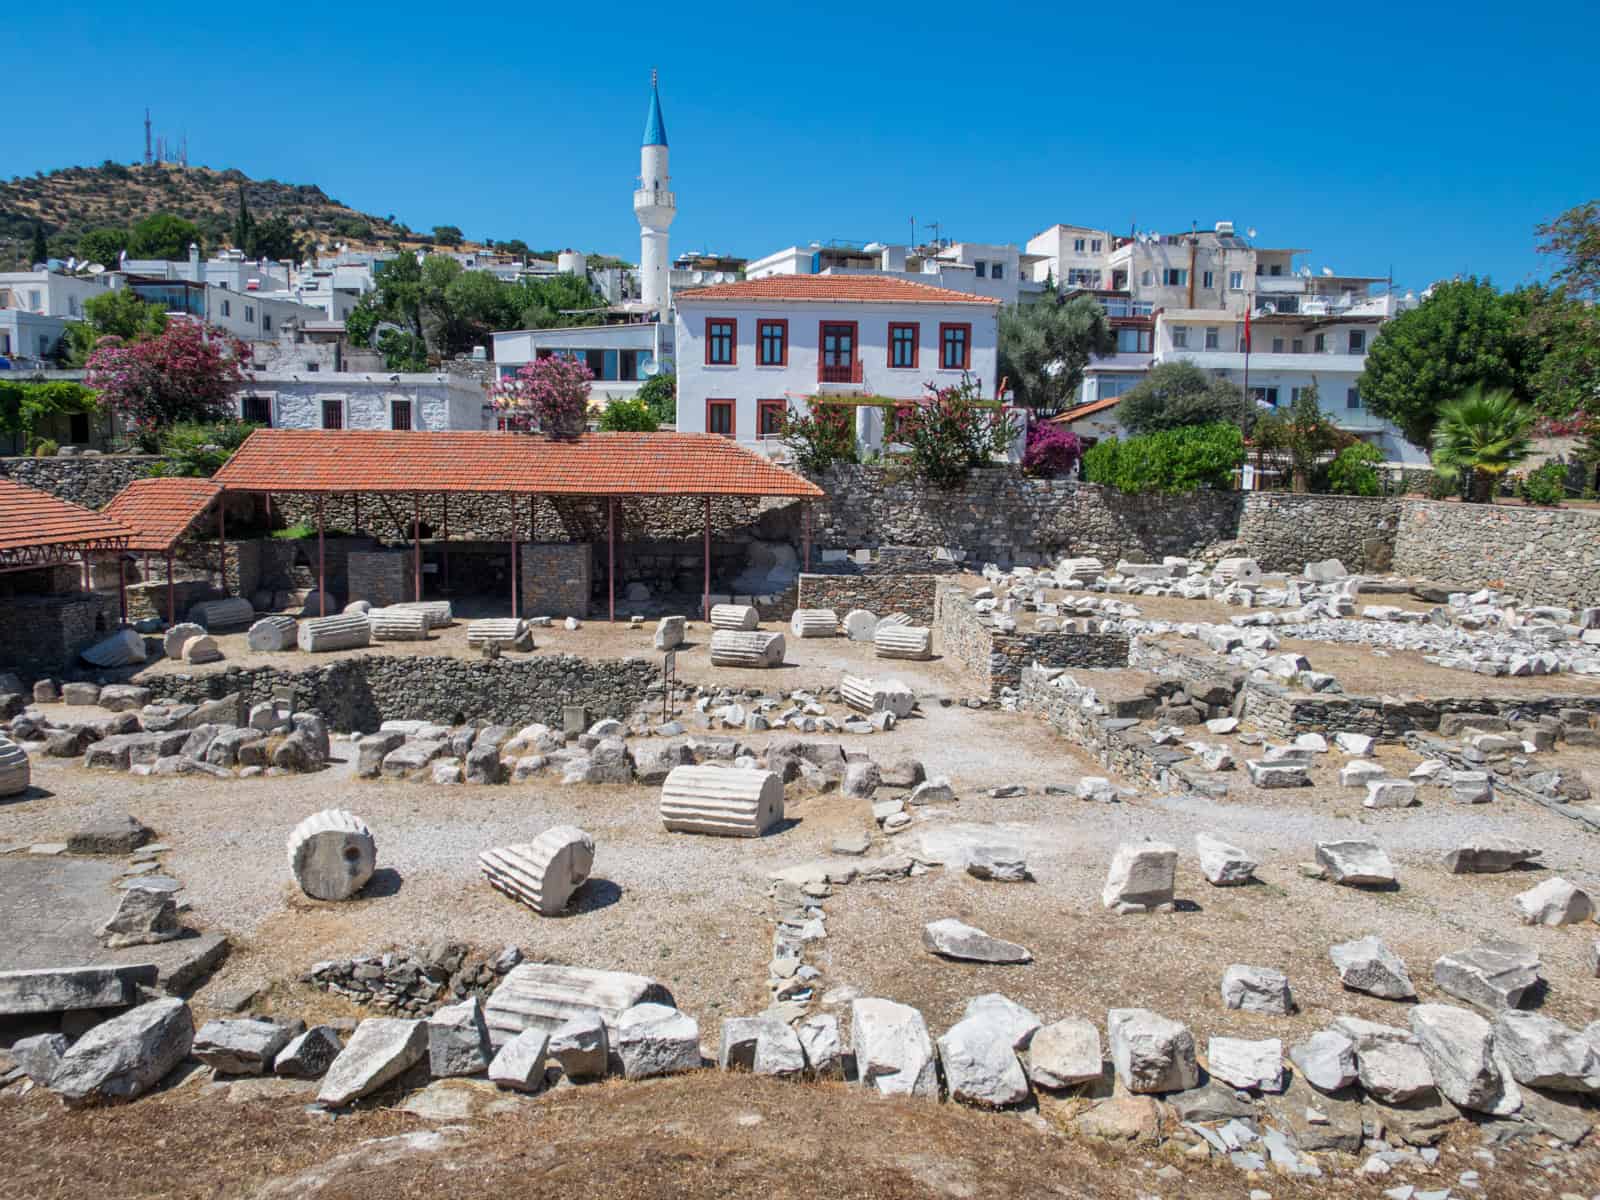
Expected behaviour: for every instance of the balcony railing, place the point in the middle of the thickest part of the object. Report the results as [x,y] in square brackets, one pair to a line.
[644,197]
[839,372]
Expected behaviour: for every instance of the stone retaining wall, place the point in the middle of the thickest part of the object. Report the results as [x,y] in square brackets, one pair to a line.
[1284,531]
[358,694]
[998,514]
[87,479]
[1108,739]
[42,635]
[880,594]
[1282,713]
[556,579]
[1539,554]
[996,660]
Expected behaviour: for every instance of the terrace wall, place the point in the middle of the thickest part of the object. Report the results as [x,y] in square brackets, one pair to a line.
[1536,553]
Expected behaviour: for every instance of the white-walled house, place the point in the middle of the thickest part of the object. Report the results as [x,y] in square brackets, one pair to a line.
[621,356]
[747,352]
[995,271]
[362,400]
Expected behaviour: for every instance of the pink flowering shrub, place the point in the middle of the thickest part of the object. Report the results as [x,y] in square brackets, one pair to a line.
[1051,450]
[187,372]
[548,394]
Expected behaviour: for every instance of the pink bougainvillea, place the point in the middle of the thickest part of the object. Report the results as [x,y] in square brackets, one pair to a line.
[1051,450]
[550,395]
[185,373]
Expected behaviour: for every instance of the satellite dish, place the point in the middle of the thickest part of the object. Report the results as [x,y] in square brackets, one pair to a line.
[649,368]
[1327,271]
[698,277]
[96,269]
[1251,231]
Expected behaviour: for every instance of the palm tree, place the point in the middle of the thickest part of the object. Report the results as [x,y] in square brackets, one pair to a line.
[1483,432]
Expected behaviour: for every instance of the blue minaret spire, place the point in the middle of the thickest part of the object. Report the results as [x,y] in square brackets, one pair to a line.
[655,129]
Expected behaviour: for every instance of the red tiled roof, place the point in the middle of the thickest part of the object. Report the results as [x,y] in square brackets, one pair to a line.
[596,464]
[837,289]
[160,511]
[1087,410]
[29,517]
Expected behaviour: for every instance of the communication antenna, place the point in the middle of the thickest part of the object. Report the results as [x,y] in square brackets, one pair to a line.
[147,136]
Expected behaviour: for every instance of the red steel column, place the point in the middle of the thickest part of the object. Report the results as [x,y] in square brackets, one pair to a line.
[222,542]
[805,532]
[322,564]
[416,541]
[611,555]
[705,599]
[172,610]
[122,586]
[445,581]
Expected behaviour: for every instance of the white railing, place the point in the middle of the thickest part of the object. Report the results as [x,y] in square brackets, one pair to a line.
[646,197]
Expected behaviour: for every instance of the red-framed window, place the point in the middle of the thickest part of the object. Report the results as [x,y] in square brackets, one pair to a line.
[772,343]
[769,417]
[836,358]
[720,417]
[722,341]
[955,347]
[903,341]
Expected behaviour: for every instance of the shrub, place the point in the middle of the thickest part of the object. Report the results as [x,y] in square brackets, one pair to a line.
[952,431]
[45,448]
[1051,450]
[1176,394]
[1544,485]
[549,394]
[198,450]
[628,416]
[1354,471]
[1174,460]
[660,392]
[821,438]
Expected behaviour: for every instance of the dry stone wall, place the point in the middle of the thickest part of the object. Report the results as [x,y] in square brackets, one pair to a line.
[87,479]
[361,693]
[1540,554]
[1283,531]
[996,660]
[879,594]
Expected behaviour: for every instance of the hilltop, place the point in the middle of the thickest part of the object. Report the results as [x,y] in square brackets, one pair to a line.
[74,200]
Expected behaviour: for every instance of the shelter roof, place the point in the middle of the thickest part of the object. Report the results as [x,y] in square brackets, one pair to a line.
[31,520]
[595,464]
[160,511]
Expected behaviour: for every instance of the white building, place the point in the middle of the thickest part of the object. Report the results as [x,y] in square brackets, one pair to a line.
[750,351]
[654,205]
[996,271]
[53,293]
[620,356]
[362,400]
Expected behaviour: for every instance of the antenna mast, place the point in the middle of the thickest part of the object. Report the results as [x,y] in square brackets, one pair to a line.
[147,136]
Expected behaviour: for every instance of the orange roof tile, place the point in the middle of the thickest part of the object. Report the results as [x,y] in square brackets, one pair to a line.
[845,289]
[29,518]
[1087,410]
[160,511]
[596,464]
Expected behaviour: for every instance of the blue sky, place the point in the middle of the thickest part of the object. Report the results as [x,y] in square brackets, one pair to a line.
[1429,139]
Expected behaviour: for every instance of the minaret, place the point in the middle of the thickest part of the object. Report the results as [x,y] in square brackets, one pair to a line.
[655,206]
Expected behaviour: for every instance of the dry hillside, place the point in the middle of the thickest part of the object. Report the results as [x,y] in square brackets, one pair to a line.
[71,201]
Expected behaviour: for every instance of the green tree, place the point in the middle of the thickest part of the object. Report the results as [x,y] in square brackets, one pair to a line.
[1172,460]
[660,392]
[628,416]
[273,238]
[478,304]
[1574,239]
[1481,434]
[103,246]
[1565,384]
[1045,347]
[1177,394]
[1354,470]
[41,247]
[448,235]
[118,313]
[24,407]
[403,351]
[1464,335]
[1303,432]
[162,235]
[244,226]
